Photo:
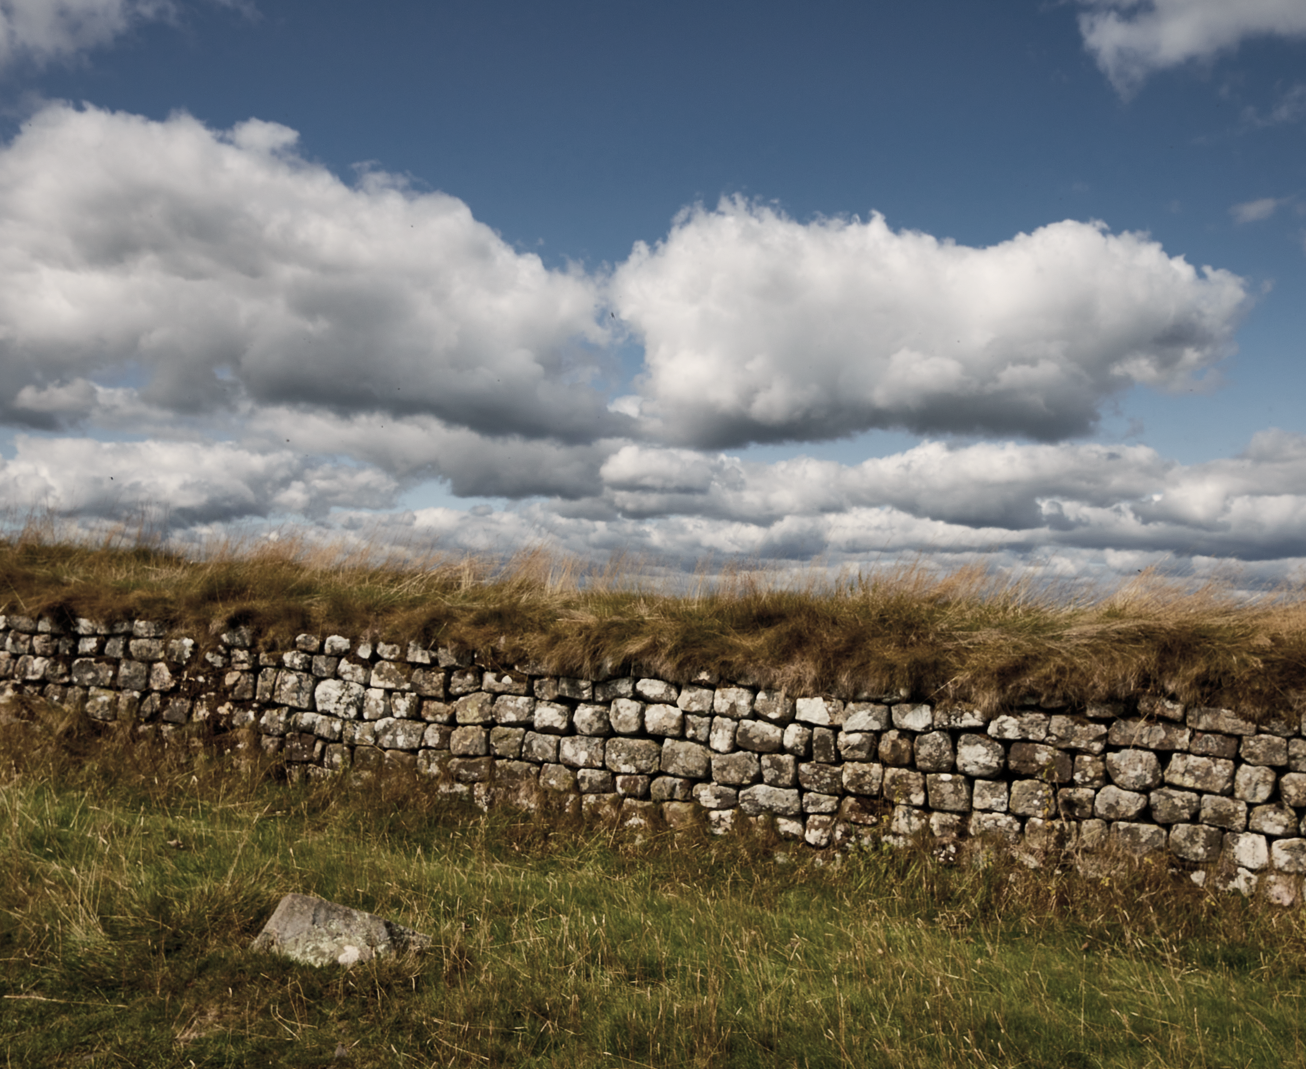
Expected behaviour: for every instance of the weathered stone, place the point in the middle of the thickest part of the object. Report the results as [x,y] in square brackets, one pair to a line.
[1134,770]
[406,735]
[990,795]
[896,748]
[102,704]
[352,673]
[1148,735]
[1254,783]
[715,796]
[633,786]
[1030,727]
[1264,750]
[820,712]
[670,789]
[1210,774]
[1032,798]
[1292,789]
[469,741]
[907,822]
[506,742]
[779,770]
[864,811]
[1297,755]
[1223,812]
[626,716]
[1247,850]
[1037,759]
[775,706]
[557,778]
[338,698]
[161,679]
[324,667]
[509,710]
[980,756]
[88,673]
[734,702]
[1196,842]
[695,699]
[1289,855]
[1115,804]
[858,745]
[657,690]
[1281,889]
[815,802]
[866,717]
[475,708]
[798,740]
[612,689]
[948,792]
[934,752]
[1000,825]
[540,748]
[1076,803]
[1207,745]
[959,718]
[389,676]
[1089,772]
[759,736]
[736,770]
[313,931]
[1222,721]
[552,718]
[146,649]
[916,718]
[818,831]
[464,681]
[664,721]
[1138,839]
[721,738]
[863,777]
[698,728]
[1277,820]
[762,798]
[688,759]
[1076,733]
[904,786]
[633,756]
[595,781]
[824,748]
[292,688]
[580,690]
[1157,705]
[438,712]
[1170,806]
[581,751]
[825,779]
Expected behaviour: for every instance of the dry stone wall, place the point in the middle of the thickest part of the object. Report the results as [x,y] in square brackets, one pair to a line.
[1211,789]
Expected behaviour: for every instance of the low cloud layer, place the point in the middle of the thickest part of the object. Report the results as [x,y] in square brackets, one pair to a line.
[1131,39]
[759,328]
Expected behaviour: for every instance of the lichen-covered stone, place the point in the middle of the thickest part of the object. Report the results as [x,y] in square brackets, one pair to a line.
[687,759]
[948,792]
[934,752]
[1264,750]
[313,931]
[1196,842]
[1115,804]
[1170,806]
[759,736]
[762,798]
[1212,775]
[581,751]
[980,756]
[862,777]
[1223,812]
[664,721]
[1134,770]
[1254,783]
[1032,798]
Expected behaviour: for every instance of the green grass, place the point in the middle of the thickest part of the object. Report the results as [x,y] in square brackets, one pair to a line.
[133,879]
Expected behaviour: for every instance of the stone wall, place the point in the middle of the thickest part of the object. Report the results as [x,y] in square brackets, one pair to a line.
[1213,790]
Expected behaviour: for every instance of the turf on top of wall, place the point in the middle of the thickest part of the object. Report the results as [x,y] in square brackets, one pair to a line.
[966,635]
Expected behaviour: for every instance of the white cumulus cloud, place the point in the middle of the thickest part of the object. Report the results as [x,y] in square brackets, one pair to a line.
[761,328]
[1130,39]
[43,30]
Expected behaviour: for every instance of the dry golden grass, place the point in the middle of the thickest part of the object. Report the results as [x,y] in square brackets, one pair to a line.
[969,636]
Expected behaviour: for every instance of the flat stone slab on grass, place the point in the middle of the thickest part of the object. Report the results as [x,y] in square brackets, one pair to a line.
[313,931]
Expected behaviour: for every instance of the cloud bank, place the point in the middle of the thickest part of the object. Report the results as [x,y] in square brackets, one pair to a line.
[1131,39]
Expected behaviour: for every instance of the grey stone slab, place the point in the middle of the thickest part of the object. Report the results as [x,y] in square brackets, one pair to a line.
[313,931]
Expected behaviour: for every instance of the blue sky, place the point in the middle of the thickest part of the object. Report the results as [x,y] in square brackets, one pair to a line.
[843,280]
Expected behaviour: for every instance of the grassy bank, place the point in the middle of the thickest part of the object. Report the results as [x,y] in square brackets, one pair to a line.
[969,634]
[131,882]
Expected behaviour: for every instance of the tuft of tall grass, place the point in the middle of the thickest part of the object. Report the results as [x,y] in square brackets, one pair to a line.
[970,635]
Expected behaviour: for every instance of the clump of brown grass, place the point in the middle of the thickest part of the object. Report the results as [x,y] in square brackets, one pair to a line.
[968,635]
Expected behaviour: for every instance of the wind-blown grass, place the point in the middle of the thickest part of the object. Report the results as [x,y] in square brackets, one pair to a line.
[132,880]
[968,635]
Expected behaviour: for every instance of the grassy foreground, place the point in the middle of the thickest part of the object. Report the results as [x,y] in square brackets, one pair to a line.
[132,880]
[968,635]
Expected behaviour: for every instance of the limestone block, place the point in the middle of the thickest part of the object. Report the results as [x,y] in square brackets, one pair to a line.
[759,736]
[1281,889]
[934,752]
[775,706]
[1292,789]
[1076,803]
[1076,733]
[145,649]
[948,792]
[1247,850]
[1277,820]
[1000,825]
[734,702]
[907,821]
[815,802]
[1138,839]
[335,697]
[818,831]
[915,718]
[612,689]
[798,740]
[1089,772]
[862,777]
[688,759]
[1254,783]
[633,756]
[633,786]
[736,769]
[980,756]
[438,736]
[858,745]
[698,728]
[1038,759]
[1289,855]
[88,673]
[761,798]
[896,748]
[1209,745]
[1149,735]
[580,690]
[356,733]
[1223,812]
[161,680]
[1134,770]
[509,710]
[1264,750]
[721,738]
[540,748]
[313,931]
[626,716]
[695,699]
[866,717]
[407,735]
[438,712]
[1222,721]
[464,681]
[1170,806]
[989,795]
[595,781]
[1297,755]
[959,718]
[820,712]
[558,778]
[324,667]
[428,682]
[825,779]
[1028,727]
[670,789]
[387,675]
[1032,798]
[292,688]
[823,745]
[300,662]
[352,673]
[657,690]
[1115,804]
[904,786]
[1196,842]
[335,645]
[102,704]
[552,718]
[376,704]
[469,741]
[854,810]
[581,751]
[715,796]
[779,770]
[475,708]
[1210,774]
[664,721]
